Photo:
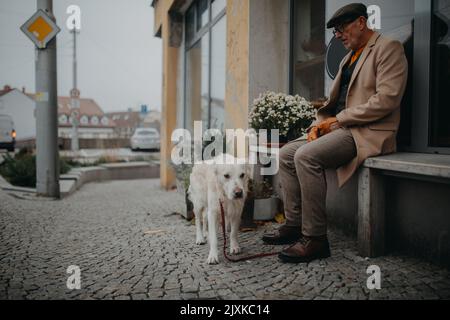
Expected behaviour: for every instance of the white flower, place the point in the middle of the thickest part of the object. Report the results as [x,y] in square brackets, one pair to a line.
[280,111]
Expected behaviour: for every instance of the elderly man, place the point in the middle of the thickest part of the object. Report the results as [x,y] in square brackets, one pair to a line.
[359,120]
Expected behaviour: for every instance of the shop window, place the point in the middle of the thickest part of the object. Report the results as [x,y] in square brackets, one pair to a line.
[202,14]
[190,24]
[309,48]
[310,39]
[218,74]
[393,19]
[440,80]
[205,63]
[217,6]
[197,96]
[204,83]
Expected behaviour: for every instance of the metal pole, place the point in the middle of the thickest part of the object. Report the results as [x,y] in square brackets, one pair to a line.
[74,100]
[47,157]
[74,57]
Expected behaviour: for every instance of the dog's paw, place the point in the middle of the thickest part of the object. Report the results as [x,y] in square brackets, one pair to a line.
[235,249]
[213,258]
[200,241]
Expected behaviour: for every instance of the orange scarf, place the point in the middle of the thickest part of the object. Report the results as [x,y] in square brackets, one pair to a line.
[356,55]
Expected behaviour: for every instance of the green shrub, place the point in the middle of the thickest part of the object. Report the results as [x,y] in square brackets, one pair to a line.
[64,166]
[21,170]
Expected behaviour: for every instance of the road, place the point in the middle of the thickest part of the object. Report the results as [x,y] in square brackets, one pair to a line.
[128,244]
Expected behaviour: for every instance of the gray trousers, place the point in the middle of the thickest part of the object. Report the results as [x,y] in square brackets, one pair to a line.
[303,182]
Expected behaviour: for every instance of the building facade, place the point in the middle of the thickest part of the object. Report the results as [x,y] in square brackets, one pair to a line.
[219,55]
[17,104]
[93,122]
[20,105]
[126,122]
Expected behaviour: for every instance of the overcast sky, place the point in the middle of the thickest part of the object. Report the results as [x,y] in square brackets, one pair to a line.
[119,60]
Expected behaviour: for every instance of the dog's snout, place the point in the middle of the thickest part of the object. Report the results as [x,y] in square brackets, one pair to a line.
[238,193]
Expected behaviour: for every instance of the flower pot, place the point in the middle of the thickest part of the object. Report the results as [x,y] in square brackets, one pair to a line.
[265,209]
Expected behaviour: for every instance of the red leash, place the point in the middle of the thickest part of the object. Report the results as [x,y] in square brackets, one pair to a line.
[261,255]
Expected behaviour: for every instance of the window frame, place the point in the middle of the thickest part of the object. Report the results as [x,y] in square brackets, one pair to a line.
[422,81]
[421,116]
[198,35]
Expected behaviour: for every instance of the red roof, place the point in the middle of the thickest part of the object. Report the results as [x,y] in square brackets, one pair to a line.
[88,107]
[6,89]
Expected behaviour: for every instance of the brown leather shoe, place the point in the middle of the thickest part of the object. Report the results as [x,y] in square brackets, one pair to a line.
[306,250]
[284,235]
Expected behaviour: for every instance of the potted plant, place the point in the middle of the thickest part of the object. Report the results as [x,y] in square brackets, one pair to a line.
[291,115]
[265,203]
[182,174]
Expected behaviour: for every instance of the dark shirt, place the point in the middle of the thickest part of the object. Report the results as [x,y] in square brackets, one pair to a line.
[347,72]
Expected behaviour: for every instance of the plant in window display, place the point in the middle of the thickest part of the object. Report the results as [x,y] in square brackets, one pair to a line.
[291,115]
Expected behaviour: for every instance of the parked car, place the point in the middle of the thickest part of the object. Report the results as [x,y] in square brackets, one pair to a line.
[7,133]
[145,138]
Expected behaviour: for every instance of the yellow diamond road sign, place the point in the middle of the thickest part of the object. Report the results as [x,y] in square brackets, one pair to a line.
[40,28]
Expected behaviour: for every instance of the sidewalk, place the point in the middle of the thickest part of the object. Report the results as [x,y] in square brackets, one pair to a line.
[129,244]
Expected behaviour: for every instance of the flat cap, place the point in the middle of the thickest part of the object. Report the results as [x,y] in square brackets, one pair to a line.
[348,13]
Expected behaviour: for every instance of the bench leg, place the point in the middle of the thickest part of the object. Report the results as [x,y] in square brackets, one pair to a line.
[371,214]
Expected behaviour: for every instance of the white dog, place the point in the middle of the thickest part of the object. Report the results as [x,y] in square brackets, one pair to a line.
[221,179]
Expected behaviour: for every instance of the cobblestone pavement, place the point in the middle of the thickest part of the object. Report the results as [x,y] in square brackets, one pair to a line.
[129,245]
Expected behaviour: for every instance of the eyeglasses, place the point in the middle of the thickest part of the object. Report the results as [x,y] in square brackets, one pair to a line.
[341,28]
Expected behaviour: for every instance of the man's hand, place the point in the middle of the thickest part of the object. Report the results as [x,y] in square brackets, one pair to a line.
[323,128]
[328,125]
[313,134]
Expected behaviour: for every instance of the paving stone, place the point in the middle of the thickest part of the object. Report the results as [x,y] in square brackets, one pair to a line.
[128,245]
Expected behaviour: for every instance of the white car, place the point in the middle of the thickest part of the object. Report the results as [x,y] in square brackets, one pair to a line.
[7,133]
[145,138]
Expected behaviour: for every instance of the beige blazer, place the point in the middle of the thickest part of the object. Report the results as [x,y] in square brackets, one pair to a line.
[373,101]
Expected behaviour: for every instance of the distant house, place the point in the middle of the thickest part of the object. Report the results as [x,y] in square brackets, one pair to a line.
[93,122]
[20,107]
[125,122]
[152,120]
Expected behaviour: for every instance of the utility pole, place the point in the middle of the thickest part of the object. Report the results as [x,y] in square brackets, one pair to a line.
[75,95]
[47,158]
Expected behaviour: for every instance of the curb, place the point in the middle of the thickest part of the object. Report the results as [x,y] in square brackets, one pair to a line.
[76,178]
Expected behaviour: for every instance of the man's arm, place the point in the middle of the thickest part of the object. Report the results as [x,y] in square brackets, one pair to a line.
[391,78]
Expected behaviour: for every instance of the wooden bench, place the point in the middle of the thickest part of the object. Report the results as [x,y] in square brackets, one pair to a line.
[371,191]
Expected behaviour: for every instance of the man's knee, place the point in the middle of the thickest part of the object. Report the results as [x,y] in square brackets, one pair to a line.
[304,155]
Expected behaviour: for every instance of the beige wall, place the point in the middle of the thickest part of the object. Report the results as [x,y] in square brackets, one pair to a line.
[161,9]
[169,93]
[237,78]
[257,54]
[257,60]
